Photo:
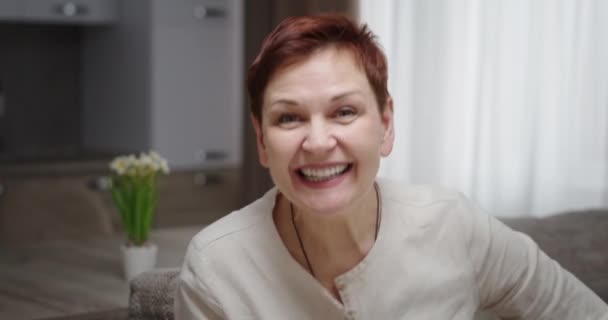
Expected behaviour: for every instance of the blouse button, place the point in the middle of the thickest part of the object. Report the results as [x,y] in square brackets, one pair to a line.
[350,315]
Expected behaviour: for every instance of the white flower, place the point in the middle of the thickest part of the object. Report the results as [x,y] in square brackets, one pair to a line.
[157,162]
[164,166]
[145,164]
[160,162]
[119,165]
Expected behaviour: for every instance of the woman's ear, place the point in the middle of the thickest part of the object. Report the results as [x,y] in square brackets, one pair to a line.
[259,138]
[388,137]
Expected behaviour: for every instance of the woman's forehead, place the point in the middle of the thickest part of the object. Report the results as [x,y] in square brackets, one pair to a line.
[326,74]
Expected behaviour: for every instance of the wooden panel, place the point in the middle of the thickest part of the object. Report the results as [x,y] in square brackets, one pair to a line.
[197,197]
[68,277]
[40,208]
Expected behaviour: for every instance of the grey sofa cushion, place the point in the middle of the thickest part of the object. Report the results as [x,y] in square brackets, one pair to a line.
[577,240]
[152,295]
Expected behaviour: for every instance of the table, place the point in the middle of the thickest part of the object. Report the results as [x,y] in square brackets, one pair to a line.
[67,277]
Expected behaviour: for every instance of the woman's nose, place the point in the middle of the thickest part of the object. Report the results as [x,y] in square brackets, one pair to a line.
[319,138]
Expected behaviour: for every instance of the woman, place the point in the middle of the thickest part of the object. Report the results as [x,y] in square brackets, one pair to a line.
[331,241]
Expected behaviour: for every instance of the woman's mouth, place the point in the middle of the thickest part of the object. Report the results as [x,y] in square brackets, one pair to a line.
[324,174]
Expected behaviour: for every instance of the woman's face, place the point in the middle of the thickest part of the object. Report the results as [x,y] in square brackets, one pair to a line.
[322,134]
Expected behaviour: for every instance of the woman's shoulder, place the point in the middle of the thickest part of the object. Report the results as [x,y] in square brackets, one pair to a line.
[416,195]
[428,207]
[424,205]
[237,224]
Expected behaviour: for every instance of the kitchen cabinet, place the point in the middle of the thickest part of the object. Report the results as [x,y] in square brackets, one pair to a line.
[10,9]
[59,11]
[72,11]
[168,77]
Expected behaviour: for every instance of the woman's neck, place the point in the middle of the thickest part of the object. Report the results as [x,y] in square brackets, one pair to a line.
[348,230]
[333,244]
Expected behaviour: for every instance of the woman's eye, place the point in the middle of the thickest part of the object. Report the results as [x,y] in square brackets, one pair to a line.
[288,118]
[345,112]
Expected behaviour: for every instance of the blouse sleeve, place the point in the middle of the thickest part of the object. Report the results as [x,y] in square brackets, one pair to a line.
[518,280]
[194,298]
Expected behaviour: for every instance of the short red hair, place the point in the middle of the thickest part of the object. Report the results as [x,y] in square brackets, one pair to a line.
[296,38]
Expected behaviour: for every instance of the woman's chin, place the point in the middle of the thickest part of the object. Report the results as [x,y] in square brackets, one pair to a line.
[326,207]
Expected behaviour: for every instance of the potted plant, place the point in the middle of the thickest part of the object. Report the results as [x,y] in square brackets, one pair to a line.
[134,190]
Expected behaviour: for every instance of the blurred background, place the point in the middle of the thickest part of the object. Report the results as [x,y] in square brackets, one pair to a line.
[503,100]
[506,101]
[84,81]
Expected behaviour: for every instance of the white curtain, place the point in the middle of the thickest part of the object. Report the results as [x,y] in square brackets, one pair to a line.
[504,100]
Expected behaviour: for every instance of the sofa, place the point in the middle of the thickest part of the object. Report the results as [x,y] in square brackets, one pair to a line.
[577,240]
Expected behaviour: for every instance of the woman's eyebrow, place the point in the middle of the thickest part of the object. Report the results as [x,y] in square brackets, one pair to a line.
[283,101]
[290,102]
[346,94]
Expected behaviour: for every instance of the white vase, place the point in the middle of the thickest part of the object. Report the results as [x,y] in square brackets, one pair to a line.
[138,259]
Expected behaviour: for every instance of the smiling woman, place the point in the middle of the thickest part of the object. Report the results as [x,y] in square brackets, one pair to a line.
[331,241]
[321,133]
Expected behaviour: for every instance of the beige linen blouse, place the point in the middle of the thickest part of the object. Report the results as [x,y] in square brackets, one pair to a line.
[437,256]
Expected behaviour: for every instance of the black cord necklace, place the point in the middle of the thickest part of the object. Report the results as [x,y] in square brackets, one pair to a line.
[293,221]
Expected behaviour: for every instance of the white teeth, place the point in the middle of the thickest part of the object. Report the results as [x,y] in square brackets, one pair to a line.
[323,174]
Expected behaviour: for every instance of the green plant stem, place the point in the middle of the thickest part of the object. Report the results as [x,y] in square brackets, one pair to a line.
[135,198]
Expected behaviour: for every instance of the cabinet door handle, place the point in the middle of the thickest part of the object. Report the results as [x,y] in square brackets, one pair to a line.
[205,12]
[211,155]
[71,9]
